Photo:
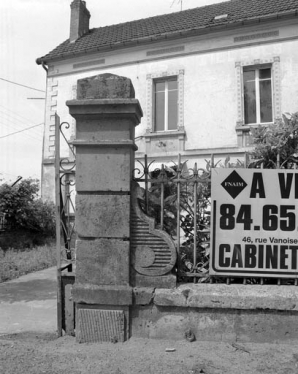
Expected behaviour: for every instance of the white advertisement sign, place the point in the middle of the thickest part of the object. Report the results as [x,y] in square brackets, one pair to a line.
[254,223]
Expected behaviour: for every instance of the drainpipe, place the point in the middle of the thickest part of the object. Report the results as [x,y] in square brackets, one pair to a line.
[39,61]
[44,66]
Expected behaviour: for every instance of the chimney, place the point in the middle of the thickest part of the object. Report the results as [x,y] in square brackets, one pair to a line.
[79,20]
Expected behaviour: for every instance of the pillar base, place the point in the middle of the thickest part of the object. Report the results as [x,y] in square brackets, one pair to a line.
[102,313]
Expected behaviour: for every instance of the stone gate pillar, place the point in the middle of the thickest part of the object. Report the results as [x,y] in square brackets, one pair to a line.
[106,114]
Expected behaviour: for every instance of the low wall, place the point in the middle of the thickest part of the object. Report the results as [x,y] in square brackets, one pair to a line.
[217,312]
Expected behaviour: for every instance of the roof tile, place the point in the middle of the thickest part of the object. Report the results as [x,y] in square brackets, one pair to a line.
[166,25]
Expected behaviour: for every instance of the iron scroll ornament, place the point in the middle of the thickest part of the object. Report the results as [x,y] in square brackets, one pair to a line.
[153,250]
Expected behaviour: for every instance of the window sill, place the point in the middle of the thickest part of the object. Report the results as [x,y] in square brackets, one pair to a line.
[241,127]
[165,141]
[162,134]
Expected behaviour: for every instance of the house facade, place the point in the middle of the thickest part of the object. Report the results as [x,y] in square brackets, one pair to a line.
[203,76]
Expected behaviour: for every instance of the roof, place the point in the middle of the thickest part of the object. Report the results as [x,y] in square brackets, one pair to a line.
[178,24]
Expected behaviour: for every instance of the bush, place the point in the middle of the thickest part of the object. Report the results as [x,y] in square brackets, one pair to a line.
[279,139]
[25,211]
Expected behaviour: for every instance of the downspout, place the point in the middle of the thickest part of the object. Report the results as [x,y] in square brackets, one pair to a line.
[42,63]
[44,66]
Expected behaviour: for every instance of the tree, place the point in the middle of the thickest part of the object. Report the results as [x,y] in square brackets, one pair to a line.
[24,210]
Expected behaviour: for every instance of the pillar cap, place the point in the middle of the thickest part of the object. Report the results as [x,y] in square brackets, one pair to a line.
[105,86]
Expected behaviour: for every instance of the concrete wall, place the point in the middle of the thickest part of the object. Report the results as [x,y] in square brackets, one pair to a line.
[217,312]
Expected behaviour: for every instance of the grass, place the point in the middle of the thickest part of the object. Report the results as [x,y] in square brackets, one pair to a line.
[14,263]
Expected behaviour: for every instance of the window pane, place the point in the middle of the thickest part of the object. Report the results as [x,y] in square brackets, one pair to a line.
[265,73]
[172,110]
[159,86]
[249,75]
[173,85]
[159,111]
[250,102]
[266,101]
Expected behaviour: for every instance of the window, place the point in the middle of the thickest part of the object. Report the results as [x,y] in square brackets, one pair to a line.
[164,111]
[257,95]
[166,104]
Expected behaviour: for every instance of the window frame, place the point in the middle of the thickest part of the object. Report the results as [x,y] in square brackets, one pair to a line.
[166,123]
[242,129]
[257,69]
[150,108]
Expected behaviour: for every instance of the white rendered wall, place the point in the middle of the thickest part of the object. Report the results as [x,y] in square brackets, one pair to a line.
[210,83]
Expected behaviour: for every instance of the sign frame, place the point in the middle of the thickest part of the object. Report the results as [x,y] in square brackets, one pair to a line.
[254,223]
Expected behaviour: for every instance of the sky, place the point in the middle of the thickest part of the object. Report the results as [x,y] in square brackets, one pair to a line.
[30,29]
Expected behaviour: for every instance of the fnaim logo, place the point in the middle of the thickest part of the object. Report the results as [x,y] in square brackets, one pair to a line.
[234,184]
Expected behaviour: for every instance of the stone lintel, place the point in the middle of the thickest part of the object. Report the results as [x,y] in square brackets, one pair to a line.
[106,107]
[221,296]
[102,295]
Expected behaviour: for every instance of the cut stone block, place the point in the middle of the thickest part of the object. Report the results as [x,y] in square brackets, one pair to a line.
[110,127]
[102,262]
[102,295]
[102,216]
[105,86]
[103,169]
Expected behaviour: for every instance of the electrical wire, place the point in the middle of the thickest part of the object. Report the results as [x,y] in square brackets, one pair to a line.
[34,134]
[30,135]
[13,118]
[22,85]
[15,113]
[17,132]
[12,125]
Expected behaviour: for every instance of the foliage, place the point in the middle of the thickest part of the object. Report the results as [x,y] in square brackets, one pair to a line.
[166,178]
[24,210]
[269,141]
[15,263]
[188,210]
[276,139]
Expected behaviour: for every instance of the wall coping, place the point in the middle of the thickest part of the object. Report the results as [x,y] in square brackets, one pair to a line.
[221,296]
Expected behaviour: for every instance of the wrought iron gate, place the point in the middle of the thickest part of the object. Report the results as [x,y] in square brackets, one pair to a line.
[65,229]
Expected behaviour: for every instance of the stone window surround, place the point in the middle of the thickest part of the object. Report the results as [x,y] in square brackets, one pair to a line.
[149,101]
[242,130]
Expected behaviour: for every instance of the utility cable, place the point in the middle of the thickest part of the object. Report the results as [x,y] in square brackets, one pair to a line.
[17,124]
[13,133]
[15,113]
[22,85]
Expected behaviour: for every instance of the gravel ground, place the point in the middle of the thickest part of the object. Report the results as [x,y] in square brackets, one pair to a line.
[32,353]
